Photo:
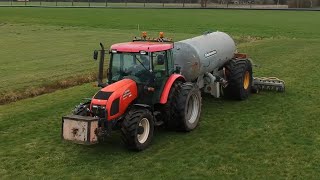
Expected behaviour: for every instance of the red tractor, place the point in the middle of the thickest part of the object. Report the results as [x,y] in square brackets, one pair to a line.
[156,82]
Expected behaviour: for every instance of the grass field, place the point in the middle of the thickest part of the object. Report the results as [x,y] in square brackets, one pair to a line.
[270,135]
[135,5]
[97,4]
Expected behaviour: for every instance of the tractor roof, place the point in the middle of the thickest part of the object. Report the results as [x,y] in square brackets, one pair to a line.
[138,46]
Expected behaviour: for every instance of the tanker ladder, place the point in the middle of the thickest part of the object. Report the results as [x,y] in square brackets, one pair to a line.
[268,83]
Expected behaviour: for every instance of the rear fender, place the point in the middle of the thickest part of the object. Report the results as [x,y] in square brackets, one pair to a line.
[167,87]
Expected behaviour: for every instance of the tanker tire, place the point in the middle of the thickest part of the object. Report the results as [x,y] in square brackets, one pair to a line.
[170,112]
[188,107]
[131,125]
[236,75]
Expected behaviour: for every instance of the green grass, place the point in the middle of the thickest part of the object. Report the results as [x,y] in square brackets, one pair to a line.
[40,55]
[270,135]
[135,5]
[101,4]
[46,45]
[267,136]
[255,23]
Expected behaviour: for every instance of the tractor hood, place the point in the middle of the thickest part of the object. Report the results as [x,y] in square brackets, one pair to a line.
[115,98]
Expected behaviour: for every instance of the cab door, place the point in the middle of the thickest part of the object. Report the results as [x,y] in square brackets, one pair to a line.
[162,68]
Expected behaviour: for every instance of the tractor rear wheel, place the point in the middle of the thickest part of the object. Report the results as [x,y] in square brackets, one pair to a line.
[169,107]
[137,129]
[188,107]
[239,77]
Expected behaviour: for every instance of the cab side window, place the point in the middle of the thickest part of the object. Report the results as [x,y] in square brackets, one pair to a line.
[115,68]
[159,63]
[170,65]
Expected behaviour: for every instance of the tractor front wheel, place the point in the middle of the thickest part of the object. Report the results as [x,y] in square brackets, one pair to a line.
[188,107]
[137,129]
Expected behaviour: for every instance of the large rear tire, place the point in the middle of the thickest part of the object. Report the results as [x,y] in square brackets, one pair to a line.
[188,107]
[169,110]
[137,129]
[239,77]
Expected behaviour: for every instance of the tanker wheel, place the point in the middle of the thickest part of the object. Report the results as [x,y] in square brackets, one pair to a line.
[239,77]
[137,129]
[170,107]
[188,107]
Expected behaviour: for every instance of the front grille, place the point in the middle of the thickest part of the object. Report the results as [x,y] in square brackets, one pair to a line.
[99,111]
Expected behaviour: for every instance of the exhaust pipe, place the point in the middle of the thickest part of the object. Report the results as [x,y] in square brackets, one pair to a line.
[101,63]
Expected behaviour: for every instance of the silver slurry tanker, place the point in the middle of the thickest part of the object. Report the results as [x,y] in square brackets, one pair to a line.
[203,54]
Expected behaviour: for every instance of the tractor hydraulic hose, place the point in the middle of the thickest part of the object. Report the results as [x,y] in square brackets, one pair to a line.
[210,76]
[219,79]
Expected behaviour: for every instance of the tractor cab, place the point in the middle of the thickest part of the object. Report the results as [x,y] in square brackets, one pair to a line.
[142,61]
[146,61]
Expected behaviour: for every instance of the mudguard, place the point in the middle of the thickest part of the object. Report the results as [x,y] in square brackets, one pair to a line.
[116,97]
[167,87]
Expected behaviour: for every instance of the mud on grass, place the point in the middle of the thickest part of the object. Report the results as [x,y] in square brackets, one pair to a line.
[8,97]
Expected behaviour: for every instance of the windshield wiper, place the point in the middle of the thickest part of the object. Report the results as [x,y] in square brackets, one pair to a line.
[141,63]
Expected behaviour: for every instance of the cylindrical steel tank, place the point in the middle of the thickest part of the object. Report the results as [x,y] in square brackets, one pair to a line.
[201,54]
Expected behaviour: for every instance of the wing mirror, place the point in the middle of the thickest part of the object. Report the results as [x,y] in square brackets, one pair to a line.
[178,70]
[95,54]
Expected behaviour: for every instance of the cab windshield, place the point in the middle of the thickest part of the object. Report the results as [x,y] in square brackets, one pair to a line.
[130,64]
